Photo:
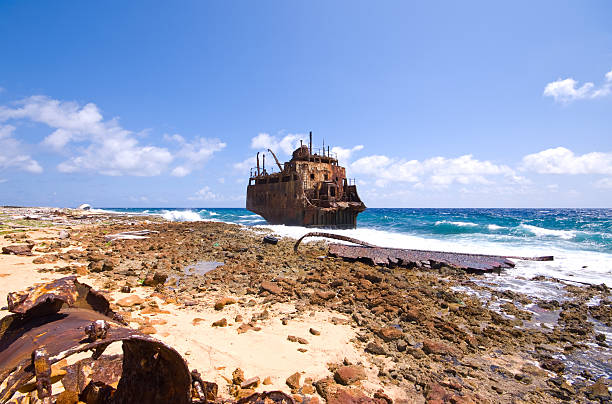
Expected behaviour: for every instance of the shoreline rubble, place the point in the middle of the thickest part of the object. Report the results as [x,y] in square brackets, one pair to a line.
[415,337]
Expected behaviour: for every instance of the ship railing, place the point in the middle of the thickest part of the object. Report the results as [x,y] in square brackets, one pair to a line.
[324,153]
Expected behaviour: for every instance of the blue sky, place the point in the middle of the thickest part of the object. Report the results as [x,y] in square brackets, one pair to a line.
[430,104]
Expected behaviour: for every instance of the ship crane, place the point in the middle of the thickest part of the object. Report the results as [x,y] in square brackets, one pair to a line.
[275,159]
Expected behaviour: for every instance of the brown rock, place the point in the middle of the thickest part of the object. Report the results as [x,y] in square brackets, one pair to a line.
[326,295]
[45,259]
[554,365]
[271,287]
[307,389]
[147,329]
[375,349]
[437,348]
[68,397]
[244,327]
[18,249]
[300,340]
[326,387]
[220,323]
[349,374]
[293,381]
[251,383]
[390,333]
[154,279]
[197,321]
[344,396]
[130,301]
[238,376]
[238,318]
[314,332]
[81,270]
[267,381]
[221,303]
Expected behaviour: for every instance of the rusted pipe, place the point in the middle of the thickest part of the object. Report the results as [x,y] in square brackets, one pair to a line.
[258,164]
[330,235]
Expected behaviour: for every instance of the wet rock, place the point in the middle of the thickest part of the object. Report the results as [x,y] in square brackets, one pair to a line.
[220,323]
[18,249]
[598,391]
[375,349]
[349,374]
[293,381]
[554,365]
[130,301]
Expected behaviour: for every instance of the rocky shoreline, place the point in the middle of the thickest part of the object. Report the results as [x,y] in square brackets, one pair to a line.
[434,336]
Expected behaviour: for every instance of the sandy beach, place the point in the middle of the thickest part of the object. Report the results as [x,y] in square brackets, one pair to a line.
[352,332]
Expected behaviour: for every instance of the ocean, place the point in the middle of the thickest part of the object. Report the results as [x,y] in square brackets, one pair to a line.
[579,239]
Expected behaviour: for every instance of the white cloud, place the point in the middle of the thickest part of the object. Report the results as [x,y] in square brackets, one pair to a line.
[11,155]
[287,144]
[103,146]
[246,165]
[109,150]
[194,154]
[568,90]
[563,161]
[344,155]
[439,172]
[204,194]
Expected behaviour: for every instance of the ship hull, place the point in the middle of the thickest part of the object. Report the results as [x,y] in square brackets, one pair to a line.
[283,203]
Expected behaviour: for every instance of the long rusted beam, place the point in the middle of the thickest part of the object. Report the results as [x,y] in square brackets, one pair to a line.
[416,258]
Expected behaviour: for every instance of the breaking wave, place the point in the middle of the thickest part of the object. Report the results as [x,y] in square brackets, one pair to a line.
[181,216]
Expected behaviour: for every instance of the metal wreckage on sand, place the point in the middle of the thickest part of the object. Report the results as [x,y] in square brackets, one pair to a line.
[54,321]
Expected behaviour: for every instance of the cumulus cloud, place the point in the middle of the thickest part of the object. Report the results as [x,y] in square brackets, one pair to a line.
[344,155]
[560,160]
[568,90]
[104,146]
[204,194]
[246,164]
[194,154]
[11,154]
[439,172]
[287,144]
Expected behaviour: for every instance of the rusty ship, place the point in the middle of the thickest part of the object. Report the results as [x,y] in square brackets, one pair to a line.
[309,190]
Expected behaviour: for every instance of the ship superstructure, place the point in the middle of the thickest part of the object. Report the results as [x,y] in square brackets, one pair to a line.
[310,190]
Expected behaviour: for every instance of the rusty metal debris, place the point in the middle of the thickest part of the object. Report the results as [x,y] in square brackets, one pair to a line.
[54,321]
[416,258]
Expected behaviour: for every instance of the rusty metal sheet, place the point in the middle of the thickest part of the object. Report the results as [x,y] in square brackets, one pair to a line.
[416,258]
[151,371]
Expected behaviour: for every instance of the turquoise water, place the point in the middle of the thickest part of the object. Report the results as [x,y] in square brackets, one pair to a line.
[580,239]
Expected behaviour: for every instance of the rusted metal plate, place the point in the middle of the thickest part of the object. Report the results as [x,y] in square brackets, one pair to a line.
[415,258]
[151,371]
[420,258]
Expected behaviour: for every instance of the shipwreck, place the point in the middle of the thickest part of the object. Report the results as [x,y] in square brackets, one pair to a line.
[309,190]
